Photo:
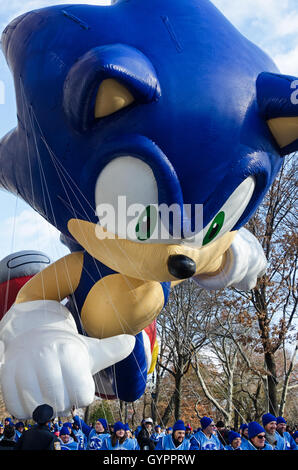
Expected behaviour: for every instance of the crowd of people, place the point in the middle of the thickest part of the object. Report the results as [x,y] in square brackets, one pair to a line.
[48,433]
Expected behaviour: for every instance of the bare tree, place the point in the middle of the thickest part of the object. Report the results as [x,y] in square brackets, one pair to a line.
[225,351]
[289,366]
[159,373]
[274,299]
[177,323]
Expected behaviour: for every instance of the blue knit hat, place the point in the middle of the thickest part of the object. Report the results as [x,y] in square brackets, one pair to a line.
[20,424]
[280,419]
[103,422]
[205,421]
[295,435]
[64,431]
[233,435]
[126,425]
[119,425]
[243,426]
[179,426]
[254,428]
[157,426]
[268,418]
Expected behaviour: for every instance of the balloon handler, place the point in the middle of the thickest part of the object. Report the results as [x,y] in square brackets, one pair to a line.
[166,105]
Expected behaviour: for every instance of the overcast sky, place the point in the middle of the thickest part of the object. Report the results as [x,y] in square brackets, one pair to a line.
[271,24]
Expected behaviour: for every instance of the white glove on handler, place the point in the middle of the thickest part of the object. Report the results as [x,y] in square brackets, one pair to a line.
[43,358]
[245,262]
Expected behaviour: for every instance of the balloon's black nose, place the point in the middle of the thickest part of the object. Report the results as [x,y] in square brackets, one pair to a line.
[181,266]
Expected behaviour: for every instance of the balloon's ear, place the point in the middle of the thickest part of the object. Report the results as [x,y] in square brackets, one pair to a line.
[277,97]
[105,80]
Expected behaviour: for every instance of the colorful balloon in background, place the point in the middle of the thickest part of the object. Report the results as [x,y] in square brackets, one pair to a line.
[15,270]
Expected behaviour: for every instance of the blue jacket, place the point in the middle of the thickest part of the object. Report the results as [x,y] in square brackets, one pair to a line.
[71,445]
[285,442]
[95,440]
[229,447]
[17,435]
[155,437]
[82,439]
[138,430]
[200,441]
[128,444]
[247,445]
[166,443]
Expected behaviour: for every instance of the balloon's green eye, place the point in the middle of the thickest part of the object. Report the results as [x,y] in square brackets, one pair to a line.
[146,223]
[214,228]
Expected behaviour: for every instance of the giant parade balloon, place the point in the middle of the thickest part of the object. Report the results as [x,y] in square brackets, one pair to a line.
[148,133]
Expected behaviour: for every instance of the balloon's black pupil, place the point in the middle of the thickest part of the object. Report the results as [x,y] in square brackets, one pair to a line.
[214,230]
[146,225]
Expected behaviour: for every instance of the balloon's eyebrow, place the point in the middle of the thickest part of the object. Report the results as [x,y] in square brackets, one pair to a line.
[121,62]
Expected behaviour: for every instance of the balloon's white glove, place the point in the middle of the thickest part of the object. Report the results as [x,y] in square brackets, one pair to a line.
[245,262]
[44,359]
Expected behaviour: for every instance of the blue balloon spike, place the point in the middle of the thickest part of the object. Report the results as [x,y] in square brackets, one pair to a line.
[198,119]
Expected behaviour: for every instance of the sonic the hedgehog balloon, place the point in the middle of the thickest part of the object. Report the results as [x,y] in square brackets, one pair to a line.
[148,134]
